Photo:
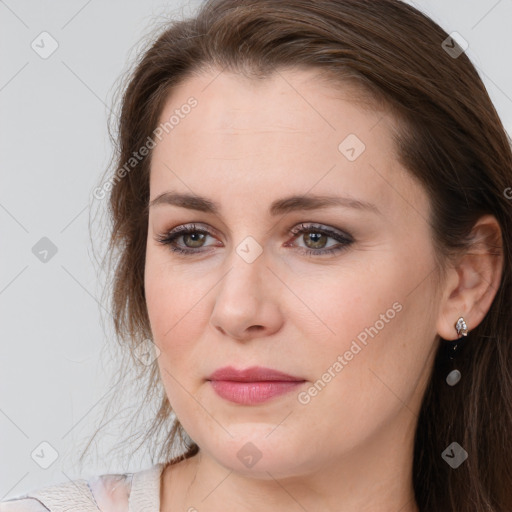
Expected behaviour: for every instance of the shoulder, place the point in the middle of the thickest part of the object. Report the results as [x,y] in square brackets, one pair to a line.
[22,505]
[76,494]
[108,492]
[111,491]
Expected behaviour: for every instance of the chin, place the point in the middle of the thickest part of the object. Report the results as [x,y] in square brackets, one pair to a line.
[252,454]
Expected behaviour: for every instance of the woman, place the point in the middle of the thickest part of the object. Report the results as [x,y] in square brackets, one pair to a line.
[311,208]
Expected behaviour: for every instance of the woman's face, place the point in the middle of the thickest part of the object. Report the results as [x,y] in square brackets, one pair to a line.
[347,306]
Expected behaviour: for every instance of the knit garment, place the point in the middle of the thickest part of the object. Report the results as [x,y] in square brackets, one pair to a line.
[128,492]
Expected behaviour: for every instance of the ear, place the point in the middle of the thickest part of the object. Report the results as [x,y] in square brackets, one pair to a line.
[471,284]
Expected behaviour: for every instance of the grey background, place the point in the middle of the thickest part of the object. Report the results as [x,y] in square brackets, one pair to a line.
[54,146]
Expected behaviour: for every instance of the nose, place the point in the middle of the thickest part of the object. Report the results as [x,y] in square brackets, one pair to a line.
[247,301]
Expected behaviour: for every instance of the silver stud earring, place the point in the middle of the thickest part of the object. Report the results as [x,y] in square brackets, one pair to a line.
[462,330]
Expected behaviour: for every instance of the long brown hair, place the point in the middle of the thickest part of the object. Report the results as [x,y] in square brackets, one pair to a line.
[450,138]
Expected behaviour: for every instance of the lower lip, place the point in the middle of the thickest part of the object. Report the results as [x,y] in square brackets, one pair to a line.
[248,393]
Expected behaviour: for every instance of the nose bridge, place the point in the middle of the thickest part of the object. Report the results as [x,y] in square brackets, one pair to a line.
[244,296]
[243,285]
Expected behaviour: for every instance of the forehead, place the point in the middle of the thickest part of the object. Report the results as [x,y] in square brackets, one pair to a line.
[288,102]
[291,131]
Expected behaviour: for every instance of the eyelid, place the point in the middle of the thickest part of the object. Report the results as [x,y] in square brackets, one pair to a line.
[191,227]
[311,226]
[294,231]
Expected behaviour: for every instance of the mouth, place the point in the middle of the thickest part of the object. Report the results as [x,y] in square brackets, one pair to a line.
[252,385]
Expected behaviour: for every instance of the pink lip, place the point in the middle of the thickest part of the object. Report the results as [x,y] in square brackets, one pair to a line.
[252,385]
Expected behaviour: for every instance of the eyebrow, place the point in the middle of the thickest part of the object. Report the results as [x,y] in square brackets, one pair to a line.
[278,207]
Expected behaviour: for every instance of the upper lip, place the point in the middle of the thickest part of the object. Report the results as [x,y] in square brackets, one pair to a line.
[252,374]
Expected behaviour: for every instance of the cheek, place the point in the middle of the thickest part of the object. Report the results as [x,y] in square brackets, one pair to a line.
[370,318]
[179,306]
[382,342]
[177,318]
[174,308]
[335,305]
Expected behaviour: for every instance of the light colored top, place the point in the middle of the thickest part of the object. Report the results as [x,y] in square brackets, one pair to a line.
[128,492]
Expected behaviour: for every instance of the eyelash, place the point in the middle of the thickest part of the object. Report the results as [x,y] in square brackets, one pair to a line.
[170,237]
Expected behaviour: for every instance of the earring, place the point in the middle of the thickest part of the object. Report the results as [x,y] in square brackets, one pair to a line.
[462,328]
[452,347]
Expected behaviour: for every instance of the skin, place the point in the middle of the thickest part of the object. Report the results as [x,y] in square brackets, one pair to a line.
[247,143]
